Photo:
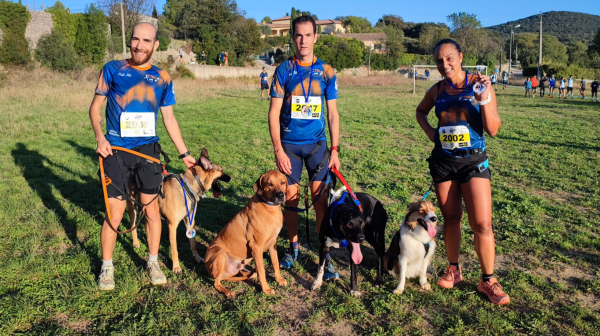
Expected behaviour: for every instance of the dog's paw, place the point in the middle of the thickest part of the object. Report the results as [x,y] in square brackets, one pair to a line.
[378,282]
[316,285]
[426,286]
[229,294]
[398,291]
[269,291]
[177,270]
[355,293]
[281,282]
[199,259]
[136,244]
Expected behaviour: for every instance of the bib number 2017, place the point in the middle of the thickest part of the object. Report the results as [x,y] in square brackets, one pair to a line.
[301,109]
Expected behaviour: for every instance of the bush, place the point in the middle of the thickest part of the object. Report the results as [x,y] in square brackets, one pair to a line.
[13,21]
[184,72]
[55,51]
[91,39]
[384,62]
[164,36]
[340,53]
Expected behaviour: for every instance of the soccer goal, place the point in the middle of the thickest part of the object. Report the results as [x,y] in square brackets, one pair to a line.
[419,72]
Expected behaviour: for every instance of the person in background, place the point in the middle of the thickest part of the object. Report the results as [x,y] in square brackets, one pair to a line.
[582,88]
[534,85]
[561,88]
[226,58]
[203,58]
[570,87]
[552,83]
[494,78]
[222,59]
[528,88]
[264,84]
[595,90]
[504,81]
[181,60]
[272,60]
[427,74]
[543,81]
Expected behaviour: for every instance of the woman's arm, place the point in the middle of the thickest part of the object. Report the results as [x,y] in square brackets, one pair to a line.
[427,103]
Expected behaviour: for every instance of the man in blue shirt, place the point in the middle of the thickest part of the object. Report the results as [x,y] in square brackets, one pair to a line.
[135,90]
[552,83]
[264,84]
[302,86]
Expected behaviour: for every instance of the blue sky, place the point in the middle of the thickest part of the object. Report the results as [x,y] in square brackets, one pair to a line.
[489,12]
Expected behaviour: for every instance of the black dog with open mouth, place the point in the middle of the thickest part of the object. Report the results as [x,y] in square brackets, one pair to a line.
[345,225]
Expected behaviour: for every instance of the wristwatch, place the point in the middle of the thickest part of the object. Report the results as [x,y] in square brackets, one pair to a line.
[336,148]
[184,155]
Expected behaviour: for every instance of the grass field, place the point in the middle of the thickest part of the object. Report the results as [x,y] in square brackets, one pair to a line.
[545,163]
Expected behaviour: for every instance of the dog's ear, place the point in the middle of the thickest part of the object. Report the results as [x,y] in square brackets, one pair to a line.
[258,186]
[206,164]
[204,152]
[410,220]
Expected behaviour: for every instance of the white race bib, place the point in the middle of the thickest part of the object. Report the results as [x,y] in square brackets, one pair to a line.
[453,137]
[306,110]
[137,124]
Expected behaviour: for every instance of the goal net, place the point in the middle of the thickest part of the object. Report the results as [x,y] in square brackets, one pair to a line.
[420,73]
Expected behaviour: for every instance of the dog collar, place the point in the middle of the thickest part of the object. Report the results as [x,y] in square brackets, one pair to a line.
[343,242]
[202,189]
[267,203]
[189,188]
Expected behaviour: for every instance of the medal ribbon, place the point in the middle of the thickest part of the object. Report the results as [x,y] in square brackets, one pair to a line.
[302,81]
[466,82]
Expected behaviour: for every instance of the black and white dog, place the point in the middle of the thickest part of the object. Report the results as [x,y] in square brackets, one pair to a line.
[345,225]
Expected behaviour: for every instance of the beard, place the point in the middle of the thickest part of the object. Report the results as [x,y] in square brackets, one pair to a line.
[141,60]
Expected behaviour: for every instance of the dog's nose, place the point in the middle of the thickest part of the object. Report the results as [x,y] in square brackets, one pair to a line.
[279,194]
[361,240]
[433,219]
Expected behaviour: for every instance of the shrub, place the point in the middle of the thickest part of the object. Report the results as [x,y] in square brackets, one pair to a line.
[340,53]
[384,62]
[91,39]
[55,51]
[13,21]
[184,72]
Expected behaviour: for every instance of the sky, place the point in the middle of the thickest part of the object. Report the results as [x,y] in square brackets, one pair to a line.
[488,12]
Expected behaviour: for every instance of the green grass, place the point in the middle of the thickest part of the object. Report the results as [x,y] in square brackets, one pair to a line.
[546,198]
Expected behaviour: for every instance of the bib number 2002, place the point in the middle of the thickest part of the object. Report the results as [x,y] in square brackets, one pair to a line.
[453,137]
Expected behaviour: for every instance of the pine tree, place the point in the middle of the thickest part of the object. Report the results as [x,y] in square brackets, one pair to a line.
[154,13]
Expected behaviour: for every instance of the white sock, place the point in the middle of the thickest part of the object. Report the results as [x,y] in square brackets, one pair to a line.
[106,263]
[152,257]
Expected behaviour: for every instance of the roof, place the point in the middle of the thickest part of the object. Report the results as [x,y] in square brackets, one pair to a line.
[328,21]
[274,25]
[365,36]
[282,18]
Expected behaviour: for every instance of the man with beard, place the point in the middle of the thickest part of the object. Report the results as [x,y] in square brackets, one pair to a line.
[136,90]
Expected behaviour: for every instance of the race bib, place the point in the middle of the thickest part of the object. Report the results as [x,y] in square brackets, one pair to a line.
[453,137]
[137,124]
[306,110]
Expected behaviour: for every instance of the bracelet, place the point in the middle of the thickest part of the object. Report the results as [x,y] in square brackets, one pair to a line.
[485,102]
[186,154]
[278,149]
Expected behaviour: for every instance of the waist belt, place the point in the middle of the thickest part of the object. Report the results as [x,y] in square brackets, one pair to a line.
[463,152]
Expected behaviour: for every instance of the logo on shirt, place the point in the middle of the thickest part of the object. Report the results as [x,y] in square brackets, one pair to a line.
[317,72]
[124,74]
[465,98]
[151,78]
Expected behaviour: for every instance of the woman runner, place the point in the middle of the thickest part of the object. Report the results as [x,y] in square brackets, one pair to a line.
[459,164]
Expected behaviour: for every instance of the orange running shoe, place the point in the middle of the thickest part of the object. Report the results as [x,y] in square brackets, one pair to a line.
[494,291]
[451,277]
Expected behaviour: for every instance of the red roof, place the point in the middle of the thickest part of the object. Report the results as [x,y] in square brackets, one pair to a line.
[282,18]
[328,21]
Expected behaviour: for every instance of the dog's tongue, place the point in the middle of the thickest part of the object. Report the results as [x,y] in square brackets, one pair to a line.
[216,194]
[356,254]
[431,230]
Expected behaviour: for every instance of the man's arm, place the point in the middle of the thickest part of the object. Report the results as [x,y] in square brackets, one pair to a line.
[102,147]
[283,161]
[334,131]
[172,127]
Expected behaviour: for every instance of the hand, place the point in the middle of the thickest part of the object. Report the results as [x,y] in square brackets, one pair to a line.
[488,84]
[334,160]
[189,161]
[283,162]
[103,148]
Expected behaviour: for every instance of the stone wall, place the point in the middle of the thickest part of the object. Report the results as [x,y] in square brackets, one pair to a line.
[39,25]
[213,71]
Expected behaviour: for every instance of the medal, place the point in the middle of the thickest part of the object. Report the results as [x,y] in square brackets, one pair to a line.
[309,81]
[479,87]
[191,233]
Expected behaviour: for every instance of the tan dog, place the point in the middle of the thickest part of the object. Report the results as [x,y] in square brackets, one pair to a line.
[172,206]
[413,246]
[249,234]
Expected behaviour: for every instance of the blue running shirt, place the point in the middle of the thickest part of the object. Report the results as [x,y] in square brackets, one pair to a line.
[132,89]
[306,124]
[264,78]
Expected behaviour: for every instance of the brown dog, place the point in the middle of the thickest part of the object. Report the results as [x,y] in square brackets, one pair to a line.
[173,208]
[249,234]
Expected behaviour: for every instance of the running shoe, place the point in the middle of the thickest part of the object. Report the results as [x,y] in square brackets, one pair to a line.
[289,259]
[451,277]
[106,280]
[330,273]
[156,275]
[494,291]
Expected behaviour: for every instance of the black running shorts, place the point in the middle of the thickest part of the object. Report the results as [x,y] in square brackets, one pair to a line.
[146,174]
[444,168]
[264,86]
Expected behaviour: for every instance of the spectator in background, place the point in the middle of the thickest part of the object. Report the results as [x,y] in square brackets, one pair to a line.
[222,58]
[427,74]
[226,58]
[595,90]
[552,83]
[494,79]
[543,81]
[561,88]
[534,85]
[272,60]
[264,84]
[203,58]
[504,80]
[528,88]
[181,60]
[570,87]
[582,88]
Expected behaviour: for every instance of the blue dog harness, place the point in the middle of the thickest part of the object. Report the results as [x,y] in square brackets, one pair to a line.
[334,204]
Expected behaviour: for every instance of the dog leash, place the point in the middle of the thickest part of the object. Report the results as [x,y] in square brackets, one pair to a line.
[428,191]
[343,180]
[105,181]
[190,232]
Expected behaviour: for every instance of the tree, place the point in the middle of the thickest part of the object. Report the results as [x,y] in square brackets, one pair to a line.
[132,12]
[63,20]
[267,19]
[154,12]
[429,37]
[463,20]
[13,22]
[393,21]
[355,24]
[340,53]
[552,49]
[91,39]
[56,51]
[594,47]
[577,52]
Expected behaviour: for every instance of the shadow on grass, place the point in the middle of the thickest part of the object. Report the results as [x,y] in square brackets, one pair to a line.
[86,195]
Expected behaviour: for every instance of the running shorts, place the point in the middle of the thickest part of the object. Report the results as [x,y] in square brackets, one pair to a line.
[444,168]
[570,89]
[264,86]
[303,152]
[147,175]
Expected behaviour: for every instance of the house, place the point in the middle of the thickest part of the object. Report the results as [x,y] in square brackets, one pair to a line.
[377,39]
[281,26]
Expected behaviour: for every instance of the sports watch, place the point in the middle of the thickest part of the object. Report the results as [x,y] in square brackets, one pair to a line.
[337,148]
[184,155]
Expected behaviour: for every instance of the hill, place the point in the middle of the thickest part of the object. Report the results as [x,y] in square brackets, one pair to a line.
[567,26]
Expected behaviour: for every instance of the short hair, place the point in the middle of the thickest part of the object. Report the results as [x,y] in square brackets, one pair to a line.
[155,37]
[263,68]
[304,19]
[447,41]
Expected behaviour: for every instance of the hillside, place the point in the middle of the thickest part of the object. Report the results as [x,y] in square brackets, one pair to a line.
[567,26]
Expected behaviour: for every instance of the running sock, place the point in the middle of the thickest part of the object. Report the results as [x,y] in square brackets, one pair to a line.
[152,257]
[295,247]
[487,277]
[107,263]
[454,264]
